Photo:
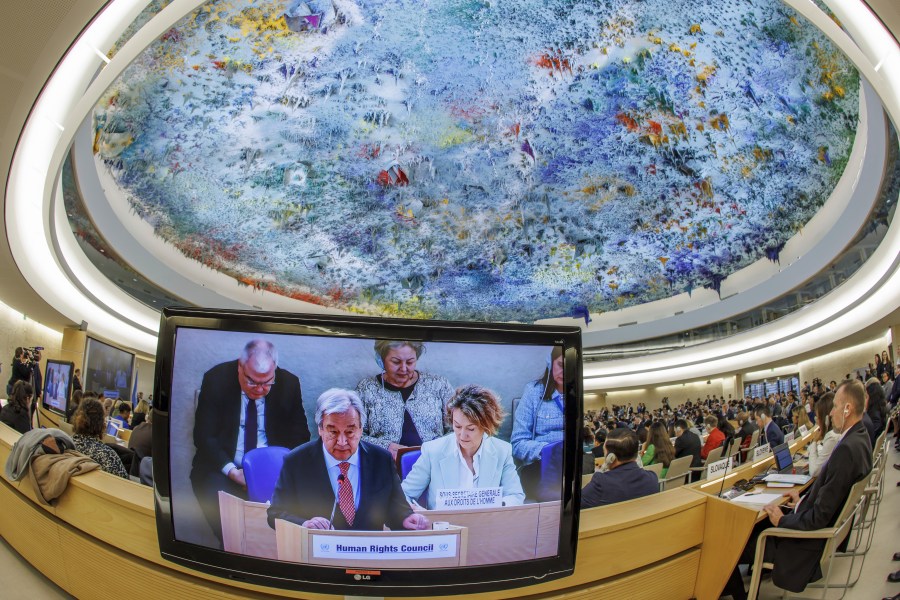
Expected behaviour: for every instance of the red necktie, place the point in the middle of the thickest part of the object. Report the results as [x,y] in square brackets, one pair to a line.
[345,494]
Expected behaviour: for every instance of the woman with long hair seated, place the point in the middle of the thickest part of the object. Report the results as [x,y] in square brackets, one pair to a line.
[825,438]
[800,418]
[17,412]
[88,435]
[470,456]
[659,448]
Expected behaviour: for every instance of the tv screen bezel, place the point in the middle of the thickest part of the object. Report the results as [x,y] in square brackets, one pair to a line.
[44,403]
[342,581]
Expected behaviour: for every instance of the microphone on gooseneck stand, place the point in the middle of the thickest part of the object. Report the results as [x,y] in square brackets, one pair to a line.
[334,506]
[727,465]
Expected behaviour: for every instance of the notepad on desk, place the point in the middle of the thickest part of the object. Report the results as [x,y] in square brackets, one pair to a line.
[787,478]
[757,499]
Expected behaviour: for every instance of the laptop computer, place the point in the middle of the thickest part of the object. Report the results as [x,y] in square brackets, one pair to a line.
[113,427]
[784,466]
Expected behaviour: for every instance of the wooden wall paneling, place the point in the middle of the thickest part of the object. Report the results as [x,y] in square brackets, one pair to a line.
[39,542]
[725,525]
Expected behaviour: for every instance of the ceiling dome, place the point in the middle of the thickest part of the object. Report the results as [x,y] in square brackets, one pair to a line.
[480,160]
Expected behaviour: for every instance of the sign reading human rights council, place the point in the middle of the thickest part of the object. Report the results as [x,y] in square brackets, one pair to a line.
[384,548]
[455,499]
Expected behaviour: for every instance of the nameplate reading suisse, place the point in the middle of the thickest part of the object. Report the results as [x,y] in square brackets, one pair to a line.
[803,430]
[383,547]
[718,468]
[789,437]
[460,499]
[761,451]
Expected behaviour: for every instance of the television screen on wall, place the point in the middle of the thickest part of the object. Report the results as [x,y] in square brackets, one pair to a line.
[57,386]
[107,369]
[366,456]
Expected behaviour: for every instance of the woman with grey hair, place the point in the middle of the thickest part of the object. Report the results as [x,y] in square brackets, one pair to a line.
[403,406]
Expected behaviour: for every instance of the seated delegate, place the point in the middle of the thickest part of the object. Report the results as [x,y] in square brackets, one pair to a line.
[825,438]
[538,420]
[17,412]
[88,432]
[470,457]
[659,448]
[624,479]
[340,475]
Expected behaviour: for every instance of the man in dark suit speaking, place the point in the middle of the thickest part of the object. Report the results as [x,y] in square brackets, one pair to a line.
[244,404]
[340,482]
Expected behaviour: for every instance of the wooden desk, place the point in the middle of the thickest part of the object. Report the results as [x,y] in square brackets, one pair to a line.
[106,524]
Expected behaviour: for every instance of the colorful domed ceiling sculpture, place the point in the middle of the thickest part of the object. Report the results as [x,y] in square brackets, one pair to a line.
[481,160]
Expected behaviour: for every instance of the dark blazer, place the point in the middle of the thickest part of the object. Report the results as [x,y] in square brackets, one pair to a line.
[218,417]
[773,435]
[138,418]
[797,561]
[870,427]
[625,482]
[303,490]
[20,420]
[688,444]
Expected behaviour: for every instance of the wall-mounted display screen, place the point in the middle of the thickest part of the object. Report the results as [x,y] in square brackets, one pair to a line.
[57,386]
[305,449]
[107,369]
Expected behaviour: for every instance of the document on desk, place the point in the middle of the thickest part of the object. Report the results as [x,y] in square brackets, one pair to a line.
[757,499]
[787,478]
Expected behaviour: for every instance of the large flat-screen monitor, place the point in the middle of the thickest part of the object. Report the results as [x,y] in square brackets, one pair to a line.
[107,369]
[392,457]
[57,386]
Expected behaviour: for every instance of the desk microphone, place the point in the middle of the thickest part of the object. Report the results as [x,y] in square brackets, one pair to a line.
[340,479]
[725,474]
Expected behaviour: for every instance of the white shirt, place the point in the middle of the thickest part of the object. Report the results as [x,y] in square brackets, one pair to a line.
[334,470]
[261,440]
[468,479]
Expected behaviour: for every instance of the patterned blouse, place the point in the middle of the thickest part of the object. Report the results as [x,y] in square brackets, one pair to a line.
[384,409]
[100,452]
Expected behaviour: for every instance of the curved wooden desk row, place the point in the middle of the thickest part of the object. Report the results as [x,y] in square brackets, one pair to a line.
[678,544]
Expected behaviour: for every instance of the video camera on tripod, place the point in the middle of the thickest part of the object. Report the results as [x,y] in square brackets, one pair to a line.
[30,354]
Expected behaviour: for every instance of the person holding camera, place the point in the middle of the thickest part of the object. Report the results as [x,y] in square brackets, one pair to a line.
[21,370]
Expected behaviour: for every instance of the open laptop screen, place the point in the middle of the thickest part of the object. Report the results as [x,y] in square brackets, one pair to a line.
[784,462]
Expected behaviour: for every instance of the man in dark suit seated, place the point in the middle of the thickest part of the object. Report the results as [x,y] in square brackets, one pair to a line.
[624,479]
[339,481]
[771,432]
[244,404]
[796,560]
[687,443]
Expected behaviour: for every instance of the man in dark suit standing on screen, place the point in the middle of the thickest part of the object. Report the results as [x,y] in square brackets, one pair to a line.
[244,404]
[339,481]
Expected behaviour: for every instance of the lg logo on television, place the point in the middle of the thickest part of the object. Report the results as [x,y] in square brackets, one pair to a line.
[359,577]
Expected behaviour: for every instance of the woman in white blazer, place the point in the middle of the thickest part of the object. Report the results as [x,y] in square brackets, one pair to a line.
[825,438]
[469,457]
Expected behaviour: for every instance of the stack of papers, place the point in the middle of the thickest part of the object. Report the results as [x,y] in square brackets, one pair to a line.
[757,499]
[795,479]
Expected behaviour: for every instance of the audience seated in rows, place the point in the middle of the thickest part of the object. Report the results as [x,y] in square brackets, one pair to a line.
[623,478]
[796,561]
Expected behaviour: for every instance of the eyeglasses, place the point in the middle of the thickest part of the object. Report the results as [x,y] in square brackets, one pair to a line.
[257,384]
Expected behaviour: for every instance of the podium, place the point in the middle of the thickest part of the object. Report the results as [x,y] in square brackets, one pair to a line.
[245,528]
[506,533]
[404,549]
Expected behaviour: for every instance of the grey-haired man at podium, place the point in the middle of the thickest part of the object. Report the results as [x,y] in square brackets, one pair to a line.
[339,481]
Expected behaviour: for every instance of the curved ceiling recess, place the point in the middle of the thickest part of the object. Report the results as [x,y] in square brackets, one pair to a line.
[477,160]
[498,178]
